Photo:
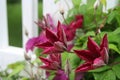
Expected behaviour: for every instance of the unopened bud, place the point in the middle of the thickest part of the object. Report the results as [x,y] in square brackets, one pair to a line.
[27,57]
[96,4]
[68,67]
[62,12]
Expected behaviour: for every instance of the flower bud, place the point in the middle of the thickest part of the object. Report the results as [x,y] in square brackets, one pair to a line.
[96,4]
[27,57]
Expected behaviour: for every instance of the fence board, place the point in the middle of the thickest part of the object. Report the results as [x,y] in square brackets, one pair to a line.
[3,25]
[29,15]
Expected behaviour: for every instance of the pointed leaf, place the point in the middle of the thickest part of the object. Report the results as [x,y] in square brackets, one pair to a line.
[116,69]
[106,75]
[114,47]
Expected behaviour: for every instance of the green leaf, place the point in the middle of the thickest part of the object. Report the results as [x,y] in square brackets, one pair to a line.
[14,65]
[74,60]
[111,16]
[64,57]
[114,36]
[52,75]
[72,75]
[116,69]
[16,70]
[24,78]
[106,75]
[76,3]
[104,68]
[114,47]
[118,17]
[90,33]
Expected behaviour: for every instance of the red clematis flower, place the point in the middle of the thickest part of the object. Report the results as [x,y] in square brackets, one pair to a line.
[56,43]
[35,40]
[96,56]
[48,23]
[78,22]
[53,63]
[70,29]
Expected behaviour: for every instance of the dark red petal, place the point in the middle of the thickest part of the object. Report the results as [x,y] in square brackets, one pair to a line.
[55,57]
[44,44]
[51,50]
[104,55]
[61,34]
[93,47]
[51,36]
[84,67]
[70,33]
[78,17]
[47,67]
[46,61]
[104,42]
[85,55]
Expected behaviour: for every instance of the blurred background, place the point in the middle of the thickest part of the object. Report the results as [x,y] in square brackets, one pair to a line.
[14,13]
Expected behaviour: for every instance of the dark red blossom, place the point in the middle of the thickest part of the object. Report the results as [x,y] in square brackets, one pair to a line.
[48,27]
[95,56]
[56,42]
[53,63]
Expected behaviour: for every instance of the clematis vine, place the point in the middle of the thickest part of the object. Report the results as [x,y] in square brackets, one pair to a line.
[53,63]
[96,56]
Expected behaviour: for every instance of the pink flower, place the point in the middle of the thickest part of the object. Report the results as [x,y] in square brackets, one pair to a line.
[96,56]
[56,42]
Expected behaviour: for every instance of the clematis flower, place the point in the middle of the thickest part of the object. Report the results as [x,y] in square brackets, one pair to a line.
[77,23]
[56,43]
[35,40]
[53,63]
[70,29]
[48,23]
[96,56]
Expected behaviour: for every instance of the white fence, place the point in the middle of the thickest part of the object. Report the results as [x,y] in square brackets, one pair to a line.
[10,54]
